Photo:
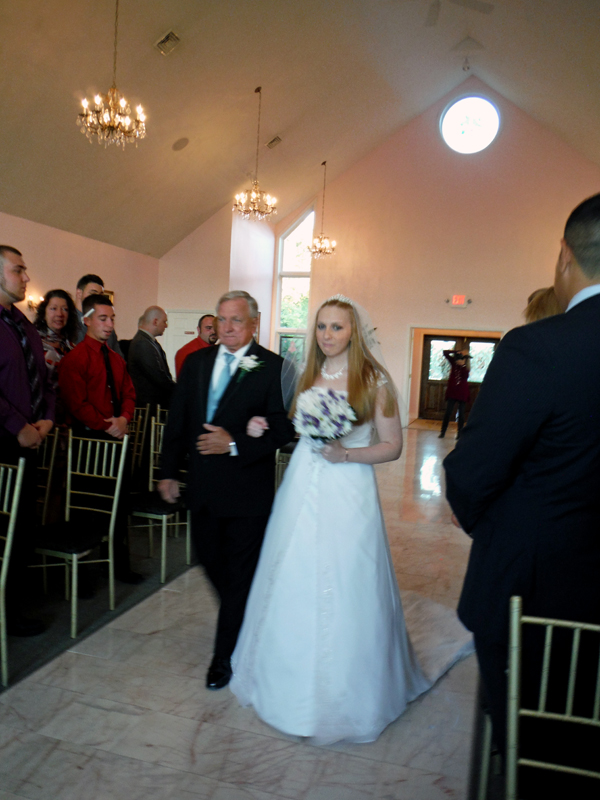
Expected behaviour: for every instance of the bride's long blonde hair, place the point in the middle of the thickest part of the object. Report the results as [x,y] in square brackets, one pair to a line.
[365,373]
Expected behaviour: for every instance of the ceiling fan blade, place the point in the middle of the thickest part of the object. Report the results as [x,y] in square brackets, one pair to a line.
[433,14]
[475,5]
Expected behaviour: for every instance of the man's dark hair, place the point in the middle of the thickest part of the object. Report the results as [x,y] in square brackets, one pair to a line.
[6,248]
[582,234]
[83,282]
[203,317]
[94,300]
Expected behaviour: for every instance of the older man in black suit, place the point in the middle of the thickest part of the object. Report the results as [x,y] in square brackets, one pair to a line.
[524,479]
[231,475]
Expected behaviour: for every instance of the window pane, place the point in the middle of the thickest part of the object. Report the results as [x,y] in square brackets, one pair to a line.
[481,355]
[294,302]
[292,346]
[439,367]
[296,257]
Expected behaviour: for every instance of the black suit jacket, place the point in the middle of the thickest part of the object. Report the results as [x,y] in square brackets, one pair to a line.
[149,372]
[231,486]
[524,479]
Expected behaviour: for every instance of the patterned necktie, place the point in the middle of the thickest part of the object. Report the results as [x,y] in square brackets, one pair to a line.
[110,382]
[33,375]
[214,395]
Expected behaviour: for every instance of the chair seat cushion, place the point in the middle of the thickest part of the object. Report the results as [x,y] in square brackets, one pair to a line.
[71,537]
[152,503]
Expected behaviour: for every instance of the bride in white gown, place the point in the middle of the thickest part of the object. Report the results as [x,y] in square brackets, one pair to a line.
[323,651]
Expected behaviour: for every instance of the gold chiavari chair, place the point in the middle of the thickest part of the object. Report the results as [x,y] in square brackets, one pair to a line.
[11,480]
[94,476]
[565,706]
[150,506]
[282,459]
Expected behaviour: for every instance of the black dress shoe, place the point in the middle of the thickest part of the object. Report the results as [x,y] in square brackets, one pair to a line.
[441,436]
[130,577]
[21,626]
[219,673]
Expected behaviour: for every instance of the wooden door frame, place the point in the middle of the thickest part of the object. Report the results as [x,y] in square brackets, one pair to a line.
[417,336]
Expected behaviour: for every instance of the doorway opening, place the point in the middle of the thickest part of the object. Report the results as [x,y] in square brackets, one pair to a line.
[430,369]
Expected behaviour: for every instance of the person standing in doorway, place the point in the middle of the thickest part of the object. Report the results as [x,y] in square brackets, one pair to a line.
[458,388]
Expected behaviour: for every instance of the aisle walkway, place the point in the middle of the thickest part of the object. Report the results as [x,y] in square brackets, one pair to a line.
[124,714]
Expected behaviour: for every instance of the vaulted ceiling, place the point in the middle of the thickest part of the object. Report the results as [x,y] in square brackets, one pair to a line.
[338,77]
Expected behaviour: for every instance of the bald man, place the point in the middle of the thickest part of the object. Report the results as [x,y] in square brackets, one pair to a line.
[147,362]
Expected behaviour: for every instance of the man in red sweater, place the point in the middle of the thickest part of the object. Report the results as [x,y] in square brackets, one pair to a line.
[207,335]
[100,400]
[94,383]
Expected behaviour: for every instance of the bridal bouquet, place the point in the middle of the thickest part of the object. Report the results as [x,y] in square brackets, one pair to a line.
[323,414]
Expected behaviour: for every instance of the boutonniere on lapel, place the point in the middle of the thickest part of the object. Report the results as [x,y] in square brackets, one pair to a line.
[249,364]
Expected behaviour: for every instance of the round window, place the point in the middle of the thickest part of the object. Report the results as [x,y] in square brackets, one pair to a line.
[470,124]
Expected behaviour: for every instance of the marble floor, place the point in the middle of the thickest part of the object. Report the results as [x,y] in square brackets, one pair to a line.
[124,713]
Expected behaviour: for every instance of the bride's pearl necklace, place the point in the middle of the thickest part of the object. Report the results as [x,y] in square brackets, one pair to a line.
[334,375]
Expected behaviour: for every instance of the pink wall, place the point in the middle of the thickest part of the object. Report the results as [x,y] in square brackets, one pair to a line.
[195,273]
[416,222]
[252,255]
[57,259]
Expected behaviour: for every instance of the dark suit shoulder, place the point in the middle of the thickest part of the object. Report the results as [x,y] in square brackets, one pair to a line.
[268,356]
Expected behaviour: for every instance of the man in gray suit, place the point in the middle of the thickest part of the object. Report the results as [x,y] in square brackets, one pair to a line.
[147,362]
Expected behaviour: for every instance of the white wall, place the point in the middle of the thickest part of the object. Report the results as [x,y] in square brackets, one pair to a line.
[56,260]
[252,256]
[195,273]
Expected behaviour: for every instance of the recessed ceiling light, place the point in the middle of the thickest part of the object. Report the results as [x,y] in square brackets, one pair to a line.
[470,124]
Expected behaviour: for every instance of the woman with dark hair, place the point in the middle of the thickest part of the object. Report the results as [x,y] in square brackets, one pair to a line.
[56,321]
[323,651]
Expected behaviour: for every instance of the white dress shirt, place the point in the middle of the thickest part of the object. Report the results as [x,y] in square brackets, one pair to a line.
[589,291]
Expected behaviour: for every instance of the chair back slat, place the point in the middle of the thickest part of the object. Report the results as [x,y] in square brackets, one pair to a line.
[7,475]
[546,668]
[572,672]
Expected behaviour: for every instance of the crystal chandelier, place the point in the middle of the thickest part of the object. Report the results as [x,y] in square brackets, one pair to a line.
[254,203]
[322,246]
[110,118]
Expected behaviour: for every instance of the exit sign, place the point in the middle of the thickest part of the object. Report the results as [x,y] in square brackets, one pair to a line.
[458,299]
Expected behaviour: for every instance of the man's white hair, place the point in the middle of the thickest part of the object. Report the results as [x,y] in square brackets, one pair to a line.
[240,294]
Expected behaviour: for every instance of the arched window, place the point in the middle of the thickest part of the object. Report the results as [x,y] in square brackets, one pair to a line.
[294,286]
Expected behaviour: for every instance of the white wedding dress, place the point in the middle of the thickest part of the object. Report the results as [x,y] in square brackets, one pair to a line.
[323,651]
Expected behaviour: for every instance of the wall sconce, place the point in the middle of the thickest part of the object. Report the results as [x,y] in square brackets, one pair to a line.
[30,303]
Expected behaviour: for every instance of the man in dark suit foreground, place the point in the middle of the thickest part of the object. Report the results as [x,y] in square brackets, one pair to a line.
[524,479]
[231,475]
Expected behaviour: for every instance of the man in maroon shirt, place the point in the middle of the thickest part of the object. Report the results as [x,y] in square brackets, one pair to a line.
[207,335]
[100,400]
[26,418]
[458,388]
